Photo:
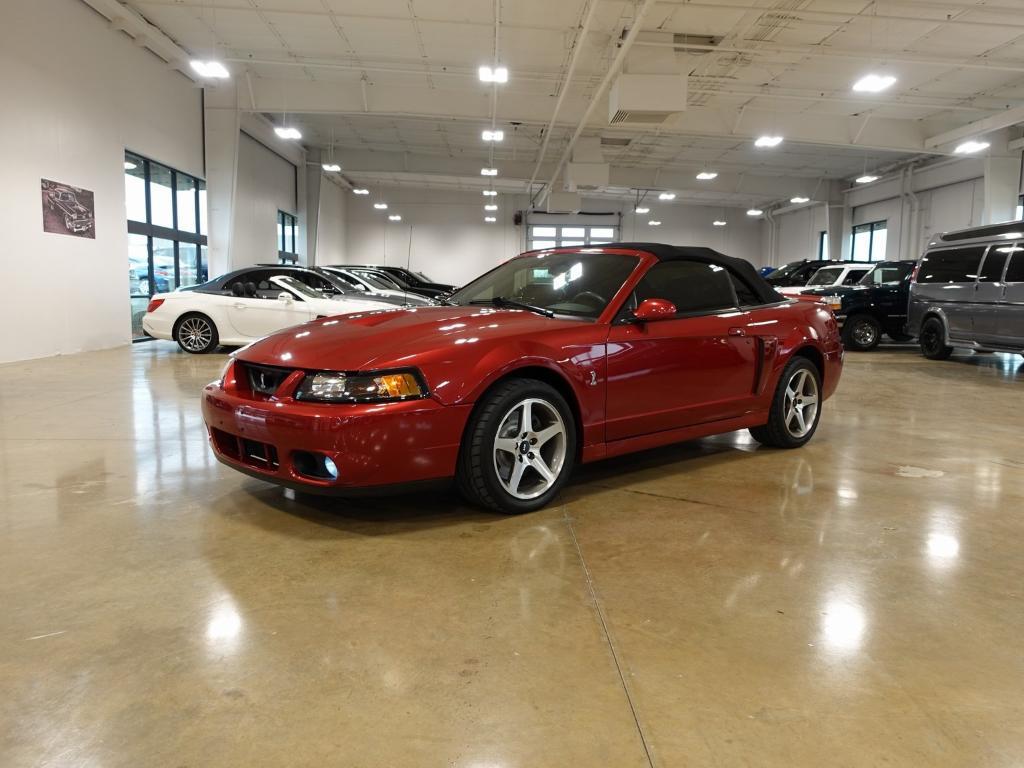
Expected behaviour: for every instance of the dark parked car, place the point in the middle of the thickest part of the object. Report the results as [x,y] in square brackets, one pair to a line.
[969,292]
[875,305]
[405,279]
[796,272]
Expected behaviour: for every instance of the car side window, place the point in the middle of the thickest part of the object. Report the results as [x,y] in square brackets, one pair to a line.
[692,286]
[854,276]
[992,267]
[952,265]
[1015,270]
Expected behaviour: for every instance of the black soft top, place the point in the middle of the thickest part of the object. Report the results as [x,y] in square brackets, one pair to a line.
[739,267]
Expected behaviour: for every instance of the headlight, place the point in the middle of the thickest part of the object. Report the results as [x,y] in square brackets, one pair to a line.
[377,387]
[836,302]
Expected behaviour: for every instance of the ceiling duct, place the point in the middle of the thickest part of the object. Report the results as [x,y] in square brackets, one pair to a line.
[652,86]
[694,45]
[615,141]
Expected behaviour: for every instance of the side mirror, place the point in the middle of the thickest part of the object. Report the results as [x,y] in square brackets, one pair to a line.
[654,309]
[285,297]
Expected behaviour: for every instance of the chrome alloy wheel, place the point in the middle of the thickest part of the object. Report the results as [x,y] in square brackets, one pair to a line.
[195,334]
[529,448]
[865,334]
[801,403]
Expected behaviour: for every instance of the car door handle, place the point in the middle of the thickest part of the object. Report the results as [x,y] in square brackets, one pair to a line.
[239,305]
[737,332]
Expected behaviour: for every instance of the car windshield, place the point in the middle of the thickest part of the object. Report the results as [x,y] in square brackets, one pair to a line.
[787,269]
[826,276]
[575,284]
[884,274]
[376,282]
[300,288]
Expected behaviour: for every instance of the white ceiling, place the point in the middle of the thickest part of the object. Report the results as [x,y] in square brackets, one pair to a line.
[391,85]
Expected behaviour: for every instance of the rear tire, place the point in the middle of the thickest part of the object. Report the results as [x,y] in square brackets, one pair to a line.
[196,334]
[932,340]
[519,447]
[796,407]
[861,333]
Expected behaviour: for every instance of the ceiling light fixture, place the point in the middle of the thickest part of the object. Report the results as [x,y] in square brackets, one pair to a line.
[490,219]
[874,83]
[641,209]
[360,191]
[867,178]
[706,176]
[490,193]
[212,69]
[667,196]
[493,135]
[490,207]
[718,223]
[488,171]
[331,167]
[653,223]
[381,206]
[394,217]
[495,75]
[129,165]
[970,147]
[799,199]
[287,132]
[755,212]
[768,141]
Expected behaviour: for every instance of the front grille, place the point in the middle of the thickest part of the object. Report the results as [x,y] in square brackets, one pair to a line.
[264,379]
[262,455]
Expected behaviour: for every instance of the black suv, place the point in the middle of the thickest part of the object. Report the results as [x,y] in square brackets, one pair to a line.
[875,305]
[796,272]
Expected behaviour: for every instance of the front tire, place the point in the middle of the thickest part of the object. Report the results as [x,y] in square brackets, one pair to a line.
[196,334]
[796,407]
[519,448]
[861,333]
[932,340]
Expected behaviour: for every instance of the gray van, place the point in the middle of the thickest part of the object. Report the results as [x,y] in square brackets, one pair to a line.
[969,292]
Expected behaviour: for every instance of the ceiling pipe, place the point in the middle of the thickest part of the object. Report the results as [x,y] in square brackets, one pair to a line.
[606,81]
[570,71]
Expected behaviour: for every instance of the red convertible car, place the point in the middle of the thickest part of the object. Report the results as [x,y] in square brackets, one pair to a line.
[554,358]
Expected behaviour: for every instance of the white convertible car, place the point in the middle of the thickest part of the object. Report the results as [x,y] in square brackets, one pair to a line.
[200,321]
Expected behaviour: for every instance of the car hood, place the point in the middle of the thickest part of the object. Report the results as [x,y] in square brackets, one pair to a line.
[395,338]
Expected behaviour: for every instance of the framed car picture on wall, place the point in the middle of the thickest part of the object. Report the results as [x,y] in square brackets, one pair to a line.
[68,210]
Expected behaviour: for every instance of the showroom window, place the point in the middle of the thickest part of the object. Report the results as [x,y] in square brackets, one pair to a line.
[953,265]
[823,245]
[166,212]
[869,241]
[555,236]
[286,238]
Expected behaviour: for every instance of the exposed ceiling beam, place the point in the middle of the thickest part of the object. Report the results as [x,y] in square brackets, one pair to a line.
[127,20]
[1006,119]
[374,165]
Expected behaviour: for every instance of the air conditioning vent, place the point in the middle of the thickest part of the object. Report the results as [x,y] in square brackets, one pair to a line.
[694,44]
[635,116]
[615,141]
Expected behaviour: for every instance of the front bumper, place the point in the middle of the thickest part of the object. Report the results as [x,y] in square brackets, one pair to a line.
[372,445]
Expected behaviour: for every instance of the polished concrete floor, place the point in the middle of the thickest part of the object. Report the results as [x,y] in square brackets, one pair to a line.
[859,602]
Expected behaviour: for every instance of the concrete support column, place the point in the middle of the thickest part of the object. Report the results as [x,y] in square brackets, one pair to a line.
[845,232]
[314,178]
[1002,180]
[834,227]
[221,126]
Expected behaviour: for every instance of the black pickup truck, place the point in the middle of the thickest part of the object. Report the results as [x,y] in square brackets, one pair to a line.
[876,305]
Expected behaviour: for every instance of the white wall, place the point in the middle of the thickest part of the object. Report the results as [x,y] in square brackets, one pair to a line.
[797,233]
[331,227]
[75,95]
[445,236]
[266,185]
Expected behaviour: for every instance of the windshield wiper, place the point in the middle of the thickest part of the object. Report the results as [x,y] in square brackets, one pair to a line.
[506,303]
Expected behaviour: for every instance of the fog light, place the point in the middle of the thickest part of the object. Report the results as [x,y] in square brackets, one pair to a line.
[331,468]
